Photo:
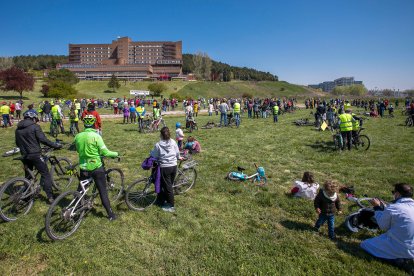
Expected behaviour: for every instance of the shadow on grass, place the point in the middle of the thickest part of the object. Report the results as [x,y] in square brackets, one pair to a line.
[40,236]
[323,146]
[296,225]
[13,97]
[109,91]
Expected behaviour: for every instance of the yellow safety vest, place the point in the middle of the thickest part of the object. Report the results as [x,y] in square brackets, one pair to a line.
[77,106]
[236,108]
[55,112]
[5,109]
[355,124]
[275,110]
[156,113]
[346,122]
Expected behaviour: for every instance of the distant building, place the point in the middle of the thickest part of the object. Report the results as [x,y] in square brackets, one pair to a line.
[328,86]
[126,59]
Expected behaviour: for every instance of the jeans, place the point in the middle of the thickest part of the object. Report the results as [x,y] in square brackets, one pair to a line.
[237,118]
[249,113]
[275,118]
[210,113]
[6,120]
[223,117]
[331,224]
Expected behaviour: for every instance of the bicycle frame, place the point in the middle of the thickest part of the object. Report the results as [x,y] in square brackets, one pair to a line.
[85,188]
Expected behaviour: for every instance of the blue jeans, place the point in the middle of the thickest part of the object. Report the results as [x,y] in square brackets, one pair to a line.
[223,117]
[249,113]
[331,224]
[275,118]
[6,120]
[237,118]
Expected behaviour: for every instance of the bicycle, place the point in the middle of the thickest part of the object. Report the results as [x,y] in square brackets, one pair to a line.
[337,139]
[73,130]
[259,177]
[361,141]
[151,126]
[54,128]
[17,194]
[114,179]
[69,209]
[409,121]
[141,194]
[191,124]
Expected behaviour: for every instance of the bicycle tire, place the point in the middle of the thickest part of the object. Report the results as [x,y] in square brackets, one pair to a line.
[53,131]
[73,131]
[262,182]
[114,183]
[231,177]
[185,180]
[364,142]
[12,206]
[58,215]
[61,180]
[363,199]
[338,142]
[140,195]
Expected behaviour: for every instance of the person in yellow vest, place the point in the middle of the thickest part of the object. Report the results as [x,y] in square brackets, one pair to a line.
[78,107]
[355,126]
[275,112]
[196,108]
[156,112]
[236,112]
[74,117]
[5,113]
[345,125]
[140,114]
[58,115]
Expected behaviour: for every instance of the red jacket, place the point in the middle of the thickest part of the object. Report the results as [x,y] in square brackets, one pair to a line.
[98,123]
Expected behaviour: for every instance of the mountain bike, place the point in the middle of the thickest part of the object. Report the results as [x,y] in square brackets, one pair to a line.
[73,130]
[141,194]
[69,209]
[337,139]
[18,194]
[259,178]
[54,128]
[151,126]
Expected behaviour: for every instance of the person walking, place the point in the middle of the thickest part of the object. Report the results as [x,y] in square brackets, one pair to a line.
[167,153]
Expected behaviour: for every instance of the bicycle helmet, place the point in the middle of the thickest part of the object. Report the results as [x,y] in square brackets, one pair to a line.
[89,121]
[30,114]
[177,125]
[91,106]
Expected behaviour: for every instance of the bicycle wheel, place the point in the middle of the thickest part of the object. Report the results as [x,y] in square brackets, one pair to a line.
[363,202]
[231,177]
[114,183]
[140,195]
[53,130]
[262,182]
[364,142]
[61,177]
[16,198]
[65,215]
[184,180]
[338,142]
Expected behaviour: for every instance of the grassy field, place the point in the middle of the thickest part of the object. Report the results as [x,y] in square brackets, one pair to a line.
[220,227]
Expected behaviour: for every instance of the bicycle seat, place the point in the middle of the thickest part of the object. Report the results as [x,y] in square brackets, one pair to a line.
[240,169]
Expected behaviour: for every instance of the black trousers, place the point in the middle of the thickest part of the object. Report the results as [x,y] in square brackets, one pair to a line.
[167,180]
[99,177]
[41,166]
[346,135]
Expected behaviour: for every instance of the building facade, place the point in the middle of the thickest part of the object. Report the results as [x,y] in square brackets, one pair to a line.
[125,59]
[328,86]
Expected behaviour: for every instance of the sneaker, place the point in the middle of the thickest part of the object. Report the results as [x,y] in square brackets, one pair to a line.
[168,208]
[112,218]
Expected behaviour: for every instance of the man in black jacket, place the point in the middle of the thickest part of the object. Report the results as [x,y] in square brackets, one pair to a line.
[46,111]
[29,135]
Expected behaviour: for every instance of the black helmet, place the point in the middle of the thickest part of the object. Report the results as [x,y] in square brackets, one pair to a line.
[91,106]
[30,114]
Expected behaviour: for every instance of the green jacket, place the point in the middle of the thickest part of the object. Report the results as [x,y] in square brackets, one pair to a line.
[91,147]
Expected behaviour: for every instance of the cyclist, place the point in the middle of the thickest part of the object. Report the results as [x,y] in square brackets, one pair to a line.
[236,112]
[91,147]
[320,113]
[91,111]
[28,136]
[345,125]
[57,115]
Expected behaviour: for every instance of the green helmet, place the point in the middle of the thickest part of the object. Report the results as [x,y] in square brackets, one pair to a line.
[89,120]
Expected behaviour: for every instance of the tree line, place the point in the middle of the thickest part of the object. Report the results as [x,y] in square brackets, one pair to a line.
[39,62]
[205,68]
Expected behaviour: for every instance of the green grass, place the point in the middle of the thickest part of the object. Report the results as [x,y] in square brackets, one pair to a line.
[221,227]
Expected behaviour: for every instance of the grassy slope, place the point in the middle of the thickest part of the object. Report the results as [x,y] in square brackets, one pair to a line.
[221,227]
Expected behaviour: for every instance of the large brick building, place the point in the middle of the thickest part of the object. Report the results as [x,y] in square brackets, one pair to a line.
[126,59]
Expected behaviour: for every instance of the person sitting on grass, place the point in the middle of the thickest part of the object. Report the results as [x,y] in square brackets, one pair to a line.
[396,245]
[193,145]
[326,204]
[307,188]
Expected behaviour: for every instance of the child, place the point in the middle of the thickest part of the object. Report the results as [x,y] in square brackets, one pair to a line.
[179,135]
[126,113]
[307,188]
[193,145]
[326,204]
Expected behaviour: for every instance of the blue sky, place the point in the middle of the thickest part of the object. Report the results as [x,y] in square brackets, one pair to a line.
[301,41]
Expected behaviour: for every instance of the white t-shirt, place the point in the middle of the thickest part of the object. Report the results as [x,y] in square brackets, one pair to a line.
[179,134]
[306,190]
[210,108]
